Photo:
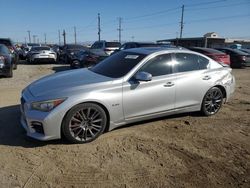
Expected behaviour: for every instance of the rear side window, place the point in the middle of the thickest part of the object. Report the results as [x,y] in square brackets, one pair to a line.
[190,62]
[97,45]
[158,66]
[203,62]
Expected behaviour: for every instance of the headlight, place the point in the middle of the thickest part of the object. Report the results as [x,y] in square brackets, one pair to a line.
[72,53]
[46,106]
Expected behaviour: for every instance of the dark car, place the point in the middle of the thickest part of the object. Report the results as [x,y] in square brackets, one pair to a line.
[245,50]
[129,45]
[84,59]
[68,51]
[238,58]
[14,52]
[216,55]
[6,66]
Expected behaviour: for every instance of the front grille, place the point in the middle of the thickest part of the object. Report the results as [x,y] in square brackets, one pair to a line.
[37,126]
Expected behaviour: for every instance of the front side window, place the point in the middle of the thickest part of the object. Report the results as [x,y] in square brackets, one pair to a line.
[187,62]
[158,66]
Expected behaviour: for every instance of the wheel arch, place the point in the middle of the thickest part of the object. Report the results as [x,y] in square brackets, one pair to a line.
[223,90]
[93,102]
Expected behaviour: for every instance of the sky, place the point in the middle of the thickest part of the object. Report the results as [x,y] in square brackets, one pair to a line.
[142,20]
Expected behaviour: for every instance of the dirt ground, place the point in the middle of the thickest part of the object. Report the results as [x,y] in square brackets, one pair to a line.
[187,150]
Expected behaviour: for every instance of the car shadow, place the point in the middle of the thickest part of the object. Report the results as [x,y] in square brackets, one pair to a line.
[175,116]
[13,134]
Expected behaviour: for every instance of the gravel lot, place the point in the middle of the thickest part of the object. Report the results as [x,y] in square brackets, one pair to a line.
[177,151]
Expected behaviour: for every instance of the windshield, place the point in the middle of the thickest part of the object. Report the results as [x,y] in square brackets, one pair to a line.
[112,44]
[118,65]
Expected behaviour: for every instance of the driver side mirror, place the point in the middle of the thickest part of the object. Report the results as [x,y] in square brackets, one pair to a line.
[143,76]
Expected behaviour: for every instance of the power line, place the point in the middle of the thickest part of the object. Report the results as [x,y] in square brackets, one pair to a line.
[215,7]
[218,18]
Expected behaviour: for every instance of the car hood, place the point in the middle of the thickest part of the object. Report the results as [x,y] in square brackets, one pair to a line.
[67,81]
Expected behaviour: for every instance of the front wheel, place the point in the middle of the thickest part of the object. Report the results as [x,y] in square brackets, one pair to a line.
[212,101]
[84,123]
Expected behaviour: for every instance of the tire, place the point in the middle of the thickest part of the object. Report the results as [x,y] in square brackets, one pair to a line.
[84,123]
[10,73]
[15,66]
[212,102]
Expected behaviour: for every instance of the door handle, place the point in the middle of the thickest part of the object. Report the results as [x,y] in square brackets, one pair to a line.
[169,84]
[206,78]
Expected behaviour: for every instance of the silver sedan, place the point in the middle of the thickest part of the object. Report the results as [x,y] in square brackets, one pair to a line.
[41,53]
[129,86]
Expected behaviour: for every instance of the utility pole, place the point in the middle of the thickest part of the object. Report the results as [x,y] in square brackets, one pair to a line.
[64,37]
[75,33]
[99,27]
[34,38]
[120,28]
[38,41]
[29,36]
[25,42]
[59,37]
[45,37]
[182,24]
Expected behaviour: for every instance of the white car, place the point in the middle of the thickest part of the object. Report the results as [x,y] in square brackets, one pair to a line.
[41,54]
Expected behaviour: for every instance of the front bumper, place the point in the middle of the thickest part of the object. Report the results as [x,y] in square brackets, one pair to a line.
[50,121]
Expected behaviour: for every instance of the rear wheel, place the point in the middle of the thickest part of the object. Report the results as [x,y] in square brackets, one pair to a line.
[212,101]
[84,123]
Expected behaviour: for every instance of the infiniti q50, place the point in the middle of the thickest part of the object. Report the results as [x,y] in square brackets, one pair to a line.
[129,86]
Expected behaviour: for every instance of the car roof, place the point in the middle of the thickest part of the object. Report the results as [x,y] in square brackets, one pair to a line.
[151,50]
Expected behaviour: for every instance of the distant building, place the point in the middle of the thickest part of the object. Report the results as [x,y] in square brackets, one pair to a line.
[209,40]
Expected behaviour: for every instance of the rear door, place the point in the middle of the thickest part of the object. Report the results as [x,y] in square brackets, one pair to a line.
[192,79]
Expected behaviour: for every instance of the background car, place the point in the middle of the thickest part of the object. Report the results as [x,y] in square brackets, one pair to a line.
[68,52]
[14,52]
[6,64]
[131,85]
[245,50]
[214,54]
[41,54]
[104,49]
[238,58]
[83,59]
[129,45]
